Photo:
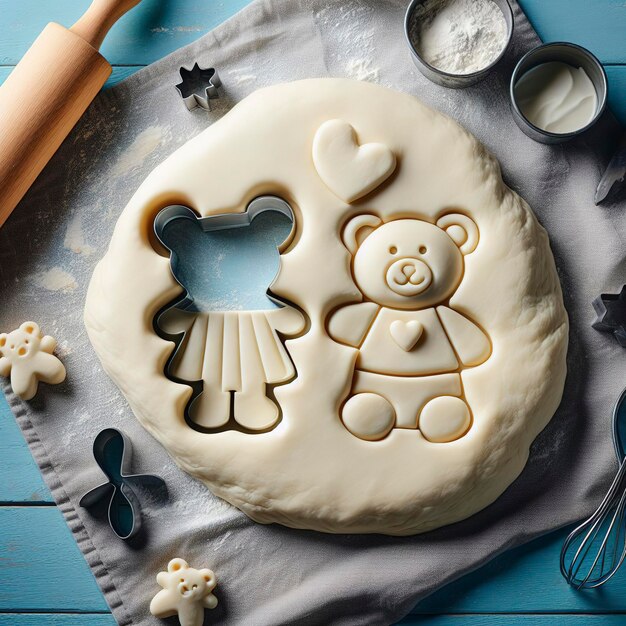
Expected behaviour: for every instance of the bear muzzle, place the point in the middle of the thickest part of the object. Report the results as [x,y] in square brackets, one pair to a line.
[409,276]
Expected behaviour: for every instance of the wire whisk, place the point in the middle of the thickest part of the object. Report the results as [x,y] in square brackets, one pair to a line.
[595,550]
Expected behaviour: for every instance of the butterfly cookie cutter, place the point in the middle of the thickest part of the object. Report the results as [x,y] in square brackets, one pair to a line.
[112,450]
[253,358]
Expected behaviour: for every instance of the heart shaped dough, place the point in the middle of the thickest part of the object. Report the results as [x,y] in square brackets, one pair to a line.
[406,334]
[349,170]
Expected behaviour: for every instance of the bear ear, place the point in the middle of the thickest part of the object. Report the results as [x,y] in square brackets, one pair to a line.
[208,575]
[30,328]
[357,230]
[175,565]
[461,229]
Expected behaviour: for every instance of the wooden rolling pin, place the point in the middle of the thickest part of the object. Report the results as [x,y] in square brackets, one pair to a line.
[46,94]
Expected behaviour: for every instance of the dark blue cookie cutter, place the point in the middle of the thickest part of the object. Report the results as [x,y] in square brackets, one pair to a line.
[112,450]
[611,315]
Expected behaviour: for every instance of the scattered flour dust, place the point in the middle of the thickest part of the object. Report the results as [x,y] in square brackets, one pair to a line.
[144,144]
[362,69]
[56,279]
[242,76]
[75,239]
[352,26]
[458,36]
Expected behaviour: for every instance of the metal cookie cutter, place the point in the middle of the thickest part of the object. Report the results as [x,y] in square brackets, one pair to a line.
[112,451]
[611,315]
[222,221]
[198,86]
[595,550]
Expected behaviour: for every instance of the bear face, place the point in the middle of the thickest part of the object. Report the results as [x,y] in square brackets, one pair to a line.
[409,264]
[188,582]
[192,584]
[20,343]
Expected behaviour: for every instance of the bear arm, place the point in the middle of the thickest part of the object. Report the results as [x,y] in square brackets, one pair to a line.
[48,344]
[175,321]
[350,323]
[162,579]
[5,366]
[209,601]
[48,368]
[286,320]
[468,340]
[164,604]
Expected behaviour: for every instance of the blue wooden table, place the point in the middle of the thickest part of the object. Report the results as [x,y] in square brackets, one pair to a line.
[44,579]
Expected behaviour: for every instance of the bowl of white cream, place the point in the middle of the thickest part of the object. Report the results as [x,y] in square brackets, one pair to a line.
[456,43]
[558,91]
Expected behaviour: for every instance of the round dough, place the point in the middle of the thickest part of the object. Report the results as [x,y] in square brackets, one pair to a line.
[310,471]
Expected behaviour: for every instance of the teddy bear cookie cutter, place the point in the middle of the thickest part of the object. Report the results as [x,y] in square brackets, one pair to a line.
[185,592]
[26,356]
[412,344]
[228,358]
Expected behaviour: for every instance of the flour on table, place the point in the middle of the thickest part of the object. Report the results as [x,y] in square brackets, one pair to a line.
[458,36]
[241,76]
[146,142]
[75,238]
[56,279]
[362,69]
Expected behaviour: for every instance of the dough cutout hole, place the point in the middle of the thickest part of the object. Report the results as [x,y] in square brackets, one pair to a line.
[228,327]
[412,345]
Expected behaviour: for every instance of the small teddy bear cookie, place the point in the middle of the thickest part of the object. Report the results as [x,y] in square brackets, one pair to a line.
[186,591]
[26,355]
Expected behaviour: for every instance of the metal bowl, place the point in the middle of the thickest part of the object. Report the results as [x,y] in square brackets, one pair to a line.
[447,79]
[571,54]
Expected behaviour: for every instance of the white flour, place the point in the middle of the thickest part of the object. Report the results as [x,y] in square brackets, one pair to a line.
[459,36]
[56,279]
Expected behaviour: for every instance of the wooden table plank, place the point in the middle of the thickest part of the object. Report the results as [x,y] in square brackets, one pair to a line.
[599,25]
[525,580]
[52,619]
[147,33]
[616,75]
[20,480]
[42,567]
[514,620]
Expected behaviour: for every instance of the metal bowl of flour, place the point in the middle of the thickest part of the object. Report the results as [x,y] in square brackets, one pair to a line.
[412,21]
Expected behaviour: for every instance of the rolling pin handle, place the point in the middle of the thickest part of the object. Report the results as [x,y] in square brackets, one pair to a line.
[99,18]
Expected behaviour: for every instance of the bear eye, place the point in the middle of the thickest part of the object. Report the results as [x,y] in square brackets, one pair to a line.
[393,249]
[423,249]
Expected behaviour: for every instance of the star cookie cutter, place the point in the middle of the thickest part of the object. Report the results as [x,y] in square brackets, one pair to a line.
[611,315]
[112,450]
[198,86]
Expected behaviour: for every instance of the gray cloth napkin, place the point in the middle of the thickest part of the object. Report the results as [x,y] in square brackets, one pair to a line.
[270,574]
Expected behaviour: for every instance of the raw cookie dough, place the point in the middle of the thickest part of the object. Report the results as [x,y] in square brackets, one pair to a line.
[26,356]
[365,442]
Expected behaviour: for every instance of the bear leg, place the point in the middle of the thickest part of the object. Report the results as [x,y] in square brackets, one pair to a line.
[445,419]
[368,416]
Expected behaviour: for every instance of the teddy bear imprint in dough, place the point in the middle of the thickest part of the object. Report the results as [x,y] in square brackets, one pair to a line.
[412,345]
[186,592]
[26,355]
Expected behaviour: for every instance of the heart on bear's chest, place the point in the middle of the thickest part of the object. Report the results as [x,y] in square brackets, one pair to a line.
[406,334]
